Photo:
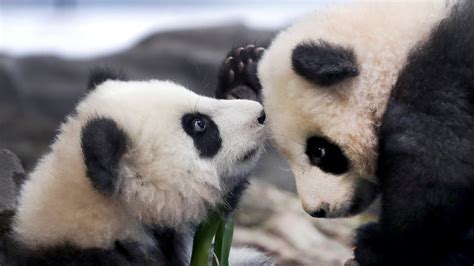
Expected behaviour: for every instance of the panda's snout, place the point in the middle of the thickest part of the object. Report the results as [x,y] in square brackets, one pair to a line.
[321,212]
[262,117]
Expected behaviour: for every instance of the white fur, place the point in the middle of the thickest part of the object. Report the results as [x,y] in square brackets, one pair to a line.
[381,36]
[163,180]
[248,257]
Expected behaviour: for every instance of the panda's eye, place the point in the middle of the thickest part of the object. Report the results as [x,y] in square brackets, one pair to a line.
[317,156]
[326,155]
[199,125]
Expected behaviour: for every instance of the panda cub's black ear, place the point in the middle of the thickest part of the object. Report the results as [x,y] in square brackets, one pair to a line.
[103,145]
[99,75]
[323,63]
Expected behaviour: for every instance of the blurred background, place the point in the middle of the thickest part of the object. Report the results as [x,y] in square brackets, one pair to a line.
[47,48]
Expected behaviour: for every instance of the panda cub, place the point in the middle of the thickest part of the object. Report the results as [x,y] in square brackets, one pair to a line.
[368,98]
[132,172]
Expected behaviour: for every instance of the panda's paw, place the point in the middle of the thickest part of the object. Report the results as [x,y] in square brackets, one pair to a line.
[351,262]
[367,245]
[237,77]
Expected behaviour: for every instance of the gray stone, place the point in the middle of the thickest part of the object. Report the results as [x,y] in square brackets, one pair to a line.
[12,176]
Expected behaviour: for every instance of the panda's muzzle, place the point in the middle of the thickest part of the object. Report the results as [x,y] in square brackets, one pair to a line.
[321,212]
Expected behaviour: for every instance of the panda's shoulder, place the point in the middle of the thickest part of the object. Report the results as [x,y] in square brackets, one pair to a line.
[430,104]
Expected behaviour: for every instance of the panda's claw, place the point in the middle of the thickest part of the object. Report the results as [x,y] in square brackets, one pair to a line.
[238,51]
[259,51]
[228,60]
[250,51]
[241,67]
[231,76]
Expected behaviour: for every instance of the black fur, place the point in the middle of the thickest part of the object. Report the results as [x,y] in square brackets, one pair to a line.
[209,142]
[18,255]
[364,194]
[233,198]
[237,77]
[175,246]
[99,75]
[171,249]
[323,63]
[326,155]
[103,144]
[369,243]
[426,154]
[6,219]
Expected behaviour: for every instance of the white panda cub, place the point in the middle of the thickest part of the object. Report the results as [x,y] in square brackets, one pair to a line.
[132,172]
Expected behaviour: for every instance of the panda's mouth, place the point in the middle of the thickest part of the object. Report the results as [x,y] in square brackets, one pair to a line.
[249,155]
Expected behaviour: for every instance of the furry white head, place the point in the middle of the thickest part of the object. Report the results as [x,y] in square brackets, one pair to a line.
[326,81]
[135,154]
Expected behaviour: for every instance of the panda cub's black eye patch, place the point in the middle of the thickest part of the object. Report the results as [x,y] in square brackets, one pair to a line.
[204,132]
[326,155]
[323,63]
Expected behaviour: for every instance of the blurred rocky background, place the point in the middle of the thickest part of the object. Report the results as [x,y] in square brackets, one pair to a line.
[45,61]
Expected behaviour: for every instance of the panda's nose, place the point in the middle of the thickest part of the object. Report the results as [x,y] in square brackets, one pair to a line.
[261,118]
[321,213]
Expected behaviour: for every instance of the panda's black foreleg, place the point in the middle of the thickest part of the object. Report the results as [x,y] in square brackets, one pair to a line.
[426,174]
[237,76]
[368,243]
[412,234]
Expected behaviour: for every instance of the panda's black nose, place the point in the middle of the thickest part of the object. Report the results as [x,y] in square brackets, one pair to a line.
[321,213]
[262,117]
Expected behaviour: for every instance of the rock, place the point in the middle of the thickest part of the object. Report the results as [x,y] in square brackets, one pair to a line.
[12,176]
[273,221]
